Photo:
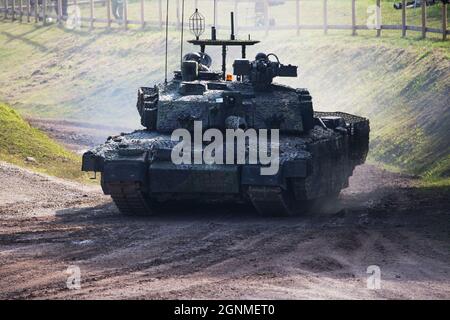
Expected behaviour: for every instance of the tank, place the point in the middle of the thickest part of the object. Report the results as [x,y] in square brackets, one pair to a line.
[312,154]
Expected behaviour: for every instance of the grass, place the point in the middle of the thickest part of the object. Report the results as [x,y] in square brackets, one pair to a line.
[18,140]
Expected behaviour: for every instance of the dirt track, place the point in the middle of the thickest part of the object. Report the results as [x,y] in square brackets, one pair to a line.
[47,225]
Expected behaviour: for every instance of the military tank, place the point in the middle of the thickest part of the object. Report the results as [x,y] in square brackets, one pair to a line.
[316,152]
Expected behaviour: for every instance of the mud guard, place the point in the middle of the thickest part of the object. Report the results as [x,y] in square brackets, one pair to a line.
[128,170]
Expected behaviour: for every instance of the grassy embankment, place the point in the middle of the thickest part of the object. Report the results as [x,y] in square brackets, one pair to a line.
[402,86]
[18,140]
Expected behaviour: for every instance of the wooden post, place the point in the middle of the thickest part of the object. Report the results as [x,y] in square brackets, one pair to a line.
[91,14]
[444,21]
[125,14]
[6,9]
[325,16]
[353,17]
[108,13]
[28,11]
[142,14]
[13,16]
[20,10]
[424,19]
[44,12]
[297,16]
[160,14]
[403,18]
[60,21]
[36,12]
[378,18]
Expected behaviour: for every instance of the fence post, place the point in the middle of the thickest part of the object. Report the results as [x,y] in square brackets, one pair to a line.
[444,21]
[325,16]
[108,13]
[36,12]
[403,18]
[378,17]
[353,17]
[44,12]
[60,12]
[13,16]
[125,14]
[91,14]
[424,19]
[142,14]
[297,16]
[6,9]
[28,11]
[20,10]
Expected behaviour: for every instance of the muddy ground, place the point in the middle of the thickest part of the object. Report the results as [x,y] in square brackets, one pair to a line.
[383,219]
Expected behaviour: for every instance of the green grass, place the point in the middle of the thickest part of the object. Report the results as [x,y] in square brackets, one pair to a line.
[18,140]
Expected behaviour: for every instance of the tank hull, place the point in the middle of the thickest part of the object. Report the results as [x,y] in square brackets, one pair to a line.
[138,173]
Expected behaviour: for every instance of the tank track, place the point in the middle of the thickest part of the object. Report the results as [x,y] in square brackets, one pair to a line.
[276,202]
[130,199]
[268,201]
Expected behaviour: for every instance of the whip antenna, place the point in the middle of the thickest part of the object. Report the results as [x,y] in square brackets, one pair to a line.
[213,28]
[167,37]
[215,12]
[182,33]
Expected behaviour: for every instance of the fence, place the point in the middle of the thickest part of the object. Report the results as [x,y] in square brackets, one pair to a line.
[151,14]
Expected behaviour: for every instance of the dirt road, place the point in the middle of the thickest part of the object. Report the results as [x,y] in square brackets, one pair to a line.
[47,225]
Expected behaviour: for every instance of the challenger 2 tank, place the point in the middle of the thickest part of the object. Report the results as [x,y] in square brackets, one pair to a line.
[312,153]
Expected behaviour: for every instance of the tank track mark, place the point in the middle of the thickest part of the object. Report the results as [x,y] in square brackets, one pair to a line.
[130,199]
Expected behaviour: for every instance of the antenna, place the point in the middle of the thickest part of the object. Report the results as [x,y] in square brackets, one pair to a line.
[232,37]
[182,33]
[215,13]
[213,28]
[167,37]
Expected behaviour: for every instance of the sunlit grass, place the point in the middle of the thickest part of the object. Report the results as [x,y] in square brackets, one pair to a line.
[19,141]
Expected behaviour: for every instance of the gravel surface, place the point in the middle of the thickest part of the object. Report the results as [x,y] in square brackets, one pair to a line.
[48,225]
